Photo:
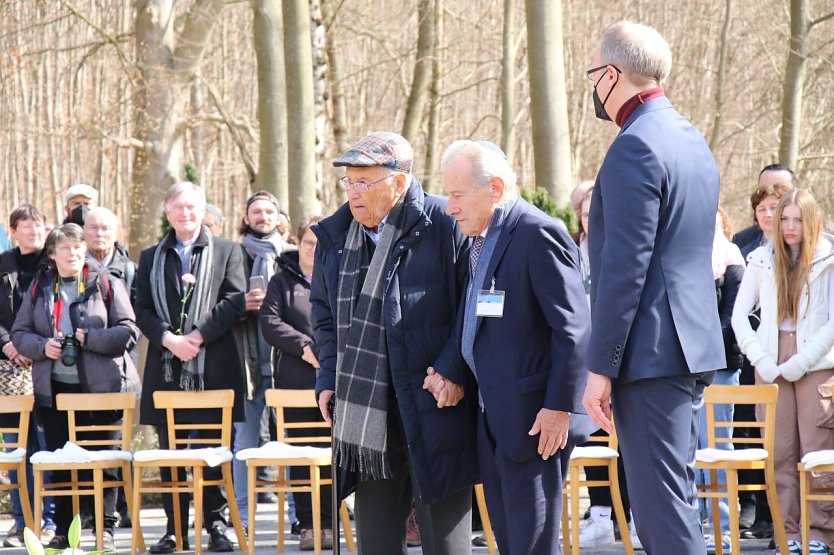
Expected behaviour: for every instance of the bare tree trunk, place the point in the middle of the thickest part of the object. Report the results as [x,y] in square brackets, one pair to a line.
[724,42]
[793,85]
[548,98]
[331,195]
[508,82]
[431,170]
[300,108]
[272,107]
[319,52]
[422,71]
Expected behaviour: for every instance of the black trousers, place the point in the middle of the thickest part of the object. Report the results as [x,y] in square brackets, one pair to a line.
[303,501]
[214,501]
[601,496]
[56,431]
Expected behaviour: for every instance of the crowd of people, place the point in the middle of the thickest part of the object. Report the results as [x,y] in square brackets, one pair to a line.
[449,338]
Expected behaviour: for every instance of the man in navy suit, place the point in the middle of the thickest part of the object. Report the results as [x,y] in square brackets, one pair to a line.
[523,330]
[656,338]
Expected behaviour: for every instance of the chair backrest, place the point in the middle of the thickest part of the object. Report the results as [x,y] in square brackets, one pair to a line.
[92,435]
[764,395]
[16,404]
[173,401]
[281,399]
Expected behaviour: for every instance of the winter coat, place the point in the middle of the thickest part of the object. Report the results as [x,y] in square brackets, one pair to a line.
[285,323]
[110,330]
[222,365]
[426,275]
[121,267]
[11,295]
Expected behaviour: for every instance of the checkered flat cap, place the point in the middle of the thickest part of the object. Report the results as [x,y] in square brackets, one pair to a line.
[383,148]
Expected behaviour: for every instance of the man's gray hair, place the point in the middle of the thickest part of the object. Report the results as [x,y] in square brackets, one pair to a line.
[637,50]
[104,213]
[216,212]
[184,187]
[486,163]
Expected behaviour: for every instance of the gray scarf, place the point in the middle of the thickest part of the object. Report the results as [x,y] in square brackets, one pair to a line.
[191,375]
[264,251]
[362,371]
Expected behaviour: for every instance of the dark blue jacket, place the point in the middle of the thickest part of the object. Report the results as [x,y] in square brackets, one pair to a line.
[533,357]
[652,226]
[427,272]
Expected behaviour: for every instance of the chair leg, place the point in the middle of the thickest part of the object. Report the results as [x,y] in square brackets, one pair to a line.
[198,508]
[804,507]
[127,477]
[36,519]
[574,508]
[716,511]
[480,497]
[732,504]
[565,516]
[351,545]
[234,511]
[282,472]
[315,493]
[775,509]
[76,510]
[619,511]
[136,536]
[251,478]
[178,531]
[23,489]
[98,509]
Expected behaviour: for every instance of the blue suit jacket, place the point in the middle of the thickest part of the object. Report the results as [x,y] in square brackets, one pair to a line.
[534,356]
[650,237]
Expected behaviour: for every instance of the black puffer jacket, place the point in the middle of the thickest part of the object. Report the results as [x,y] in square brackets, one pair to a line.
[285,323]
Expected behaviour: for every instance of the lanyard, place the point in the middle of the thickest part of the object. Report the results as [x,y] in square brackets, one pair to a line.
[58,302]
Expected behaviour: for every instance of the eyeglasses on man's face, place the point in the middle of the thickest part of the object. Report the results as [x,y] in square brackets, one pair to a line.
[590,73]
[360,185]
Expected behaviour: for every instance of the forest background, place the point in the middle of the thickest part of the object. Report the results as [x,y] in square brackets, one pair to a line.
[263,94]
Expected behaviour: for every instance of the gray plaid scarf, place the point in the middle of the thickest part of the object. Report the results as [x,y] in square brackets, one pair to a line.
[191,375]
[362,371]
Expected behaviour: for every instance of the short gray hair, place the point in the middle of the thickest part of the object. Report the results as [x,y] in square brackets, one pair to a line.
[637,50]
[216,212]
[177,189]
[486,163]
[104,213]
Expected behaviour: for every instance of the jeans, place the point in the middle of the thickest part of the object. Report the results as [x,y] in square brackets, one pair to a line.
[247,436]
[723,413]
[36,442]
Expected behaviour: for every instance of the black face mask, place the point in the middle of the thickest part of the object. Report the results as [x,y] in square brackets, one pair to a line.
[78,215]
[599,105]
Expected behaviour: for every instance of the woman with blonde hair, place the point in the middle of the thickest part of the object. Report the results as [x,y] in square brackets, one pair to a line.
[790,279]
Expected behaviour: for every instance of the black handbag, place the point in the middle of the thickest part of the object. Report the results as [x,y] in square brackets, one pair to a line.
[15,379]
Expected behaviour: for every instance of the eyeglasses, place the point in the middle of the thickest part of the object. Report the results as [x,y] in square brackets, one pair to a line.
[363,186]
[590,73]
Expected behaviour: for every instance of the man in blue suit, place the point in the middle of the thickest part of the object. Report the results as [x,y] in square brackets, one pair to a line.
[656,338]
[523,329]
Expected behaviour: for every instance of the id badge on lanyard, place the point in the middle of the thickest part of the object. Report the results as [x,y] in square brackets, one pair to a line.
[490,302]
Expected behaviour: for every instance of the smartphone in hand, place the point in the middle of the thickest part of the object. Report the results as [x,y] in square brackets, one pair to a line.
[257,282]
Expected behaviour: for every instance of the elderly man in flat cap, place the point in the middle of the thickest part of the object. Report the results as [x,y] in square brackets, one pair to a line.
[389,273]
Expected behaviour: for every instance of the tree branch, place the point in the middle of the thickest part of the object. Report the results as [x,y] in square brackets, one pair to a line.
[193,40]
[233,129]
[820,19]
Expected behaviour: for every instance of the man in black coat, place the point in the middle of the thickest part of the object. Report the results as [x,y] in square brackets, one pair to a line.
[190,292]
[389,272]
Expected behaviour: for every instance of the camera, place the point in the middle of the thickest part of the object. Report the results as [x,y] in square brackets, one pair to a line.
[69,350]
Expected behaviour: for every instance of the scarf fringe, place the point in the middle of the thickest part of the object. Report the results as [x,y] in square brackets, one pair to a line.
[369,464]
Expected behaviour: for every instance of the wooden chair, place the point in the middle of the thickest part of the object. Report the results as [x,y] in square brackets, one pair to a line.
[16,459]
[602,453]
[714,459]
[115,453]
[809,492]
[280,399]
[180,456]
[487,524]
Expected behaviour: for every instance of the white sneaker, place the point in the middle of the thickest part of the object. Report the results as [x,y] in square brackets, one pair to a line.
[596,532]
[635,539]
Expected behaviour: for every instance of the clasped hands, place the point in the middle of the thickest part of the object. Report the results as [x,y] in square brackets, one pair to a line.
[446,392]
[184,347]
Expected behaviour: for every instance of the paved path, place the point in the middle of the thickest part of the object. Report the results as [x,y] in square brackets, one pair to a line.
[153,523]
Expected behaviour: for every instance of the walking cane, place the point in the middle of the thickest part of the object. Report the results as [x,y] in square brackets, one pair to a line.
[335,502]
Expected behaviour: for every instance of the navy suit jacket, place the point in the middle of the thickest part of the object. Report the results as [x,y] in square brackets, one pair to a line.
[534,356]
[651,230]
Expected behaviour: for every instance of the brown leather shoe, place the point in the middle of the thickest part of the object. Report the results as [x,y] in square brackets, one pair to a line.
[327,538]
[305,541]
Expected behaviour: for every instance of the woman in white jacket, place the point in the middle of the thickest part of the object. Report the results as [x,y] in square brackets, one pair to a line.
[790,279]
